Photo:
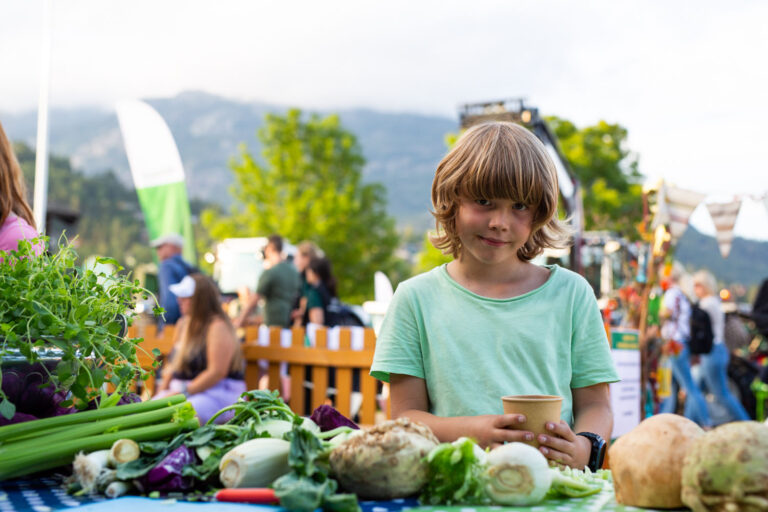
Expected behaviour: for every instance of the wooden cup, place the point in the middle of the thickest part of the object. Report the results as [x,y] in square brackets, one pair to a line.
[538,410]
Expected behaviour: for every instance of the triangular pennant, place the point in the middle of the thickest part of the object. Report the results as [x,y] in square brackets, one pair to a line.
[724,217]
[678,207]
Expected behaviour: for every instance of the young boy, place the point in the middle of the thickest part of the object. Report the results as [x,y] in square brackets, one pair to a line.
[490,323]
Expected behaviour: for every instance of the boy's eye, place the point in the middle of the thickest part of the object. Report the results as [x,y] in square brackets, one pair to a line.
[519,206]
[483,202]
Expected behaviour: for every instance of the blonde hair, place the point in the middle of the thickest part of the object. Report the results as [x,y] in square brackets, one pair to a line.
[12,187]
[707,280]
[499,161]
[309,249]
[205,308]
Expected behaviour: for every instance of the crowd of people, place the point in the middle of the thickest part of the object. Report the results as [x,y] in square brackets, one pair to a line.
[676,330]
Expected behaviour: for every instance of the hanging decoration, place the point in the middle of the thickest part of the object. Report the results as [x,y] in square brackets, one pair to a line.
[674,208]
[724,217]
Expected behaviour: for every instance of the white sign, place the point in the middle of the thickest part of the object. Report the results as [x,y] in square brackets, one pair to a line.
[626,394]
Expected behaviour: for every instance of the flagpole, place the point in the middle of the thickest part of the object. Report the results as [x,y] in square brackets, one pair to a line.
[41,158]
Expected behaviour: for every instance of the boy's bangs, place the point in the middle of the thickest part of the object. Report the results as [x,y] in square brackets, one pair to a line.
[500,177]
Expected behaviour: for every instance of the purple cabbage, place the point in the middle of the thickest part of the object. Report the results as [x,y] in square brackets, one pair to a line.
[166,475]
[19,417]
[328,418]
[29,389]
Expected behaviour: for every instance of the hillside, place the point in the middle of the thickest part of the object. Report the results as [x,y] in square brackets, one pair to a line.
[747,264]
[401,150]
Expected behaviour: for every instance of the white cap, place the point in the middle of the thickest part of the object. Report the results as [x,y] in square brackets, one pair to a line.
[170,238]
[184,288]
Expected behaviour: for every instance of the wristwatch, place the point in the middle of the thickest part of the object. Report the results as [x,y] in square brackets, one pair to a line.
[597,454]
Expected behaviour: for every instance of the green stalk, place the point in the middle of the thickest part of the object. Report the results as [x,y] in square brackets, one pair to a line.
[37,426]
[21,448]
[47,457]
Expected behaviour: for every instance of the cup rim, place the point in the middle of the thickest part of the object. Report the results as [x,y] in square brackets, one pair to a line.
[532,398]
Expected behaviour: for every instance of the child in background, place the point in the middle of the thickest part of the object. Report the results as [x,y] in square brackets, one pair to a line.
[490,323]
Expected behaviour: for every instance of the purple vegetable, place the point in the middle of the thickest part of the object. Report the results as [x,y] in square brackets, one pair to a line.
[166,475]
[328,418]
[19,417]
[28,388]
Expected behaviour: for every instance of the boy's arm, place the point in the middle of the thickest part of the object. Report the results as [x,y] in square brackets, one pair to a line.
[409,398]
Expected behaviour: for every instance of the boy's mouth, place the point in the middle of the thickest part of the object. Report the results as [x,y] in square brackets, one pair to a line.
[492,241]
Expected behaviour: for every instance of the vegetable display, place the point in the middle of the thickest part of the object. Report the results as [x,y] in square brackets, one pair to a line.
[48,305]
[647,462]
[727,469]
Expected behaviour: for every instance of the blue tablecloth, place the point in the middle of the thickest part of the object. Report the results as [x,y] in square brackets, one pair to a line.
[47,494]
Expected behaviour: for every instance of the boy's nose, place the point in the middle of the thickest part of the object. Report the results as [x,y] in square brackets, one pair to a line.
[500,219]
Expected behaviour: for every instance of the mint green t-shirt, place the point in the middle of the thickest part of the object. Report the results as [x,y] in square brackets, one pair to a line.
[472,350]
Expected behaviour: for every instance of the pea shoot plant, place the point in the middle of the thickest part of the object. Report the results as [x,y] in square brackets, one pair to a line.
[46,303]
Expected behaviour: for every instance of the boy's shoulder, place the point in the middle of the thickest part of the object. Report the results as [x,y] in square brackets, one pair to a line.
[424,280]
[564,277]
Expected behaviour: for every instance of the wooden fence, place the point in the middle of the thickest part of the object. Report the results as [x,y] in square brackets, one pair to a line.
[319,359]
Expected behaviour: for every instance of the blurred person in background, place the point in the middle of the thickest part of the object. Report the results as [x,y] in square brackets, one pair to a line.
[675,315]
[207,363]
[278,286]
[715,364]
[320,291]
[760,309]
[172,270]
[306,251]
[16,219]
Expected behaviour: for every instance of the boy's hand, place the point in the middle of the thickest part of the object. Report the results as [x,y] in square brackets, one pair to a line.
[494,430]
[563,447]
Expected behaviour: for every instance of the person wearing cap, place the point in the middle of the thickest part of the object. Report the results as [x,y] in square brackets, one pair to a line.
[172,270]
[206,363]
[279,286]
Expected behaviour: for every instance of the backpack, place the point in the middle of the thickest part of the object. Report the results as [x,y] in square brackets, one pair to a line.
[338,313]
[702,334]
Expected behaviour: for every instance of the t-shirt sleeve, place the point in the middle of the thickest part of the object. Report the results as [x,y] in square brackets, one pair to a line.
[591,354]
[314,300]
[398,345]
[265,283]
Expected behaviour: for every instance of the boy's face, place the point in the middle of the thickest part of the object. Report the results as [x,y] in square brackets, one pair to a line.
[492,230]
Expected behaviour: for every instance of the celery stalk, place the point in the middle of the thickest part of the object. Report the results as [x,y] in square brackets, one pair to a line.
[62,453]
[21,448]
[19,430]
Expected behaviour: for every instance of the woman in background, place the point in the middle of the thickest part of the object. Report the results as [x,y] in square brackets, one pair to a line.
[320,292]
[715,364]
[306,252]
[16,219]
[207,363]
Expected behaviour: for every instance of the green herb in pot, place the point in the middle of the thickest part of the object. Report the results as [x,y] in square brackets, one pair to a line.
[47,303]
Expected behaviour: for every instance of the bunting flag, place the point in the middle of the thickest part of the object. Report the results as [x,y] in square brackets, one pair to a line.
[724,216]
[157,172]
[675,206]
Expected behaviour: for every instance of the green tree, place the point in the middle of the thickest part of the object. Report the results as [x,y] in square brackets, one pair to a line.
[308,187]
[608,171]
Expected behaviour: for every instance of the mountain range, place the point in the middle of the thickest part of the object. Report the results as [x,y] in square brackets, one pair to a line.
[401,150]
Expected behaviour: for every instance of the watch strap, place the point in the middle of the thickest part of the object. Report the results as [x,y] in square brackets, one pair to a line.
[597,453]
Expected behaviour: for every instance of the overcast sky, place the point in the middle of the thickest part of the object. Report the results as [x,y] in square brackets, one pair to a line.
[687,78]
